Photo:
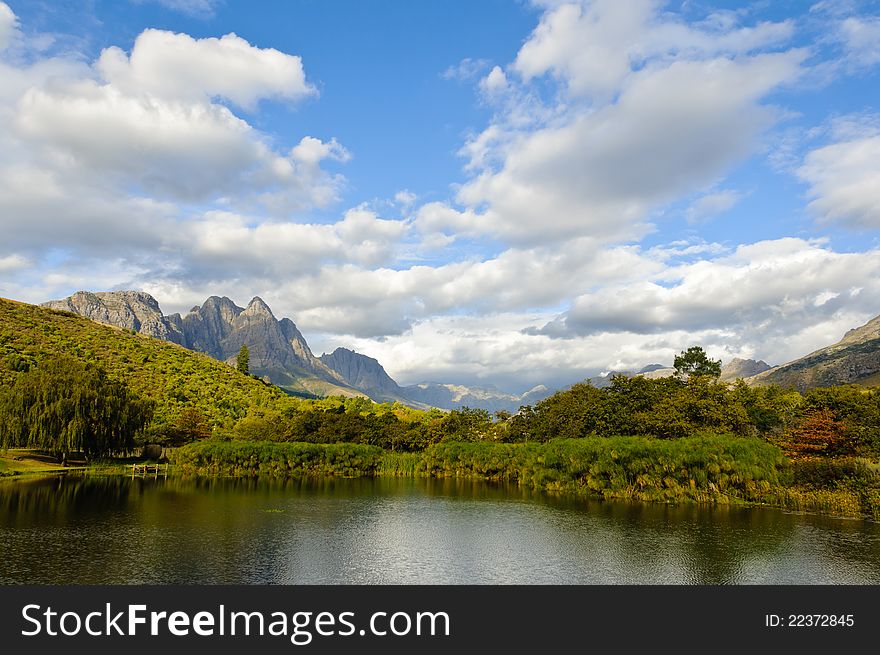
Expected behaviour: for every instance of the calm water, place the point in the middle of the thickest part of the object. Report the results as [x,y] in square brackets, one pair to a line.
[118,530]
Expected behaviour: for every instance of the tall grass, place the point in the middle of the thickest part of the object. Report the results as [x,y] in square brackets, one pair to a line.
[714,468]
[707,468]
[719,469]
[238,458]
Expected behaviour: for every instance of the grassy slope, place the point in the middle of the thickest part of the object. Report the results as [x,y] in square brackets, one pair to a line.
[828,367]
[173,376]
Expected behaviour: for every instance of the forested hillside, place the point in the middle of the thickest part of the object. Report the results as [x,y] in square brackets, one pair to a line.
[175,378]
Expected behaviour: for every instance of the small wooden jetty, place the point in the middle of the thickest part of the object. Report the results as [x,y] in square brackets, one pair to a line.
[143,470]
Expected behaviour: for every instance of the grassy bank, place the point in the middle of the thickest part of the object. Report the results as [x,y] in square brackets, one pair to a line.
[240,458]
[15,462]
[720,469]
[24,462]
[696,469]
[704,469]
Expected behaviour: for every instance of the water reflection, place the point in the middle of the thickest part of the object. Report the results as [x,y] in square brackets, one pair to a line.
[121,530]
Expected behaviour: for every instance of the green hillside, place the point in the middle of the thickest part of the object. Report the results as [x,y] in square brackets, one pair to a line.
[176,378]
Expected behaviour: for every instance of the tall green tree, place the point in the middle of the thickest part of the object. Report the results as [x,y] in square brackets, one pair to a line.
[64,405]
[694,362]
[243,361]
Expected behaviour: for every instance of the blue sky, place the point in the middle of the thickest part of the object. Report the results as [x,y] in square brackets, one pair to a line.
[495,192]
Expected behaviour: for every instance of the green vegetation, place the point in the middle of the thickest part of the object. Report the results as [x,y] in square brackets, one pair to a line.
[688,437]
[705,469]
[695,362]
[242,362]
[174,378]
[277,459]
[66,406]
[23,462]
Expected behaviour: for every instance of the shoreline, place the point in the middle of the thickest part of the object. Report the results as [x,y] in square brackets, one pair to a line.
[722,501]
[708,470]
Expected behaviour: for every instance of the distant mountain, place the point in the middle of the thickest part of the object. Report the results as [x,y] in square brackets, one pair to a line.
[853,359]
[367,374]
[219,328]
[452,396]
[364,373]
[738,368]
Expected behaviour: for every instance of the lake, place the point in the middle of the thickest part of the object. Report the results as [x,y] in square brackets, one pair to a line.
[119,530]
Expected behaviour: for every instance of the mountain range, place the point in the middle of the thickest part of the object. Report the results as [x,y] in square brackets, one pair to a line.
[280,354]
[278,350]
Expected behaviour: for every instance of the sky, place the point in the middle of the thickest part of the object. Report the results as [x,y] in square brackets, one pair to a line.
[503,192]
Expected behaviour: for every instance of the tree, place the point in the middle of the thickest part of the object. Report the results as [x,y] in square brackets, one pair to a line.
[242,362]
[191,425]
[819,434]
[64,405]
[694,362]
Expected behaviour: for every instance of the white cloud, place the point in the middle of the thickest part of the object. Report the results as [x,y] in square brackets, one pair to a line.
[673,130]
[221,242]
[109,155]
[710,205]
[12,263]
[178,67]
[843,178]
[405,198]
[594,46]
[861,38]
[649,110]
[765,294]
[40,212]
[8,26]
[374,302]
[494,83]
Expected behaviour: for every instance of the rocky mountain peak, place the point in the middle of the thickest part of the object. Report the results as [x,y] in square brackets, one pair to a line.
[743,368]
[217,328]
[131,310]
[360,371]
[868,331]
[257,307]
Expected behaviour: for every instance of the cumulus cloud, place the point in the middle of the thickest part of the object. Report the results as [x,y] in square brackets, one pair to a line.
[151,123]
[647,110]
[594,46]
[351,298]
[178,67]
[760,292]
[494,83]
[843,177]
[226,246]
[673,130]
[118,152]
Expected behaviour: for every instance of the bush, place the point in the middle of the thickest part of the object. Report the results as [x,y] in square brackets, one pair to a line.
[277,459]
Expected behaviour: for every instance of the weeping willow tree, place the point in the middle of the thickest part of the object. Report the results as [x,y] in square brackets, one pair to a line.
[64,406]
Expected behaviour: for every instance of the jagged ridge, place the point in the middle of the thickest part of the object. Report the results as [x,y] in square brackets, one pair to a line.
[218,328]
